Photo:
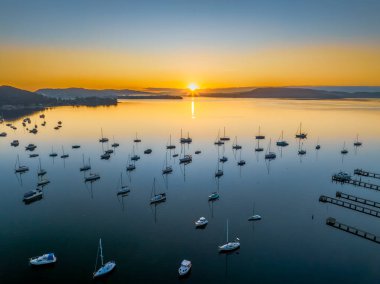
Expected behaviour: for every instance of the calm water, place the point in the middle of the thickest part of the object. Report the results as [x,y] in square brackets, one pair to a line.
[149,242]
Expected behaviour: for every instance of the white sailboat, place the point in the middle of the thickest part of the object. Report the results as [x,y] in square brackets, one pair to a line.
[254,217]
[229,246]
[104,268]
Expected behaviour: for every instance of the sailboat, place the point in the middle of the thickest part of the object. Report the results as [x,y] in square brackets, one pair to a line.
[235,145]
[85,167]
[102,139]
[270,155]
[41,171]
[131,164]
[156,198]
[224,138]
[137,140]
[219,171]
[134,156]
[104,268]
[170,146]
[229,246]
[124,189]
[167,169]
[344,150]
[223,159]
[259,136]
[301,150]
[64,156]
[258,148]
[33,195]
[115,144]
[357,143]
[186,158]
[281,142]
[218,141]
[254,216]
[53,154]
[91,177]
[185,139]
[318,145]
[300,134]
[19,168]
[241,162]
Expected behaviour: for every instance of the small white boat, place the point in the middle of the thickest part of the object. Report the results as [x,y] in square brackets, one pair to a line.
[229,246]
[48,258]
[104,268]
[202,222]
[213,196]
[184,268]
[254,216]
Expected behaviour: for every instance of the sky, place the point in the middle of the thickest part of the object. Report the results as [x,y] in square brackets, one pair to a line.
[170,44]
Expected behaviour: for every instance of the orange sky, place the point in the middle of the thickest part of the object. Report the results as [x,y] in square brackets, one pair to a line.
[33,67]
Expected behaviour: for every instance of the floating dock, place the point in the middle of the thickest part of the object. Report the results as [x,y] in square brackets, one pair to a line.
[357,232]
[349,205]
[356,182]
[361,172]
[358,199]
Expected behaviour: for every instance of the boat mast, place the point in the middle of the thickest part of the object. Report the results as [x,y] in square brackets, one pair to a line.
[227,230]
[101,250]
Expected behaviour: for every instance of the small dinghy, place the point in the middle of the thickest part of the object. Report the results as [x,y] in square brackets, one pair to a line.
[104,268]
[202,222]
[185,267]
[48,258]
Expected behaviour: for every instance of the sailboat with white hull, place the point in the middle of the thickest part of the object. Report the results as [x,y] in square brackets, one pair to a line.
[156,198]
[124,189]
[106,268]
[229,246]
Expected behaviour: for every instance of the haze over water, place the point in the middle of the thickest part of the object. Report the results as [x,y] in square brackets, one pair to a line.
[290,244]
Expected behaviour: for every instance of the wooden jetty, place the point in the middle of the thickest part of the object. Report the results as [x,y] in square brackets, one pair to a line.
[356,182]
[361,172]
[349,205]
[357,232]
[358,199]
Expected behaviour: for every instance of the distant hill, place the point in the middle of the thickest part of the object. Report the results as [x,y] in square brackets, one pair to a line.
[293,93]
[13,96]
[72,93]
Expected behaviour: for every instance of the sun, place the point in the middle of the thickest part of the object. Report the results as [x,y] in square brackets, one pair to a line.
[192,87]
